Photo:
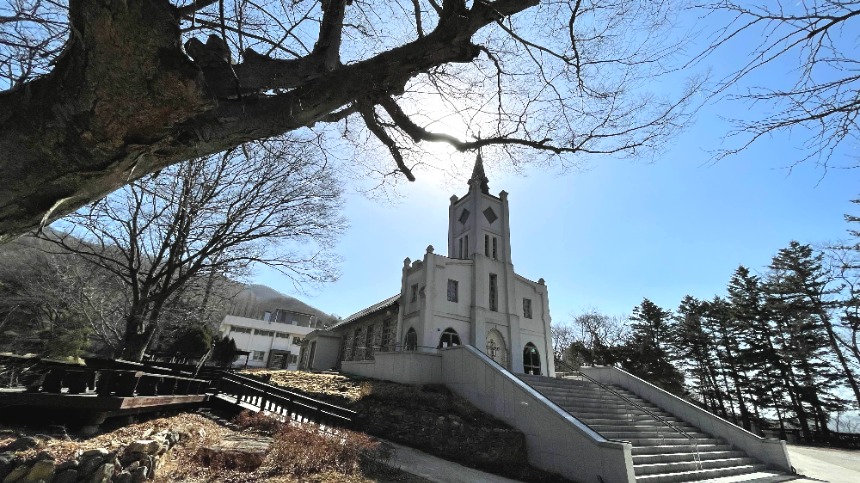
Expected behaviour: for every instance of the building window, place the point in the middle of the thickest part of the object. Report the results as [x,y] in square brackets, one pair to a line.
[368,343]
[411,341]
[355,340]
[282,335]
[466,243]
[495,248]
[385,337]
[449,338]
[527,308]
[452,290]
[414,293]
[267,316]
[259,355]
[264,333]
[294,358]
[460,253]
[494,293]
[297,341]
[240,330]
[531,359]
[487,245]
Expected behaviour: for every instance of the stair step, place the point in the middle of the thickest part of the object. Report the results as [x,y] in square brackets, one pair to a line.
[697,475]
[680,448]
[757,477]
[669,441]
[646,459]
[650,435]
[681,466]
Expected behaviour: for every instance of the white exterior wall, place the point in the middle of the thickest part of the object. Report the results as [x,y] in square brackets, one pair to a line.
[252,342]
[401,367]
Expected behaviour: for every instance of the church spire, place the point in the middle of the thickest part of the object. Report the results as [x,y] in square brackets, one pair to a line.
[479,179]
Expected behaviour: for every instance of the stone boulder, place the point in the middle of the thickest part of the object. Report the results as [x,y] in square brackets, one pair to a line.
[17,474]
[7,464]
[24,443]
[240,452]
[42,470]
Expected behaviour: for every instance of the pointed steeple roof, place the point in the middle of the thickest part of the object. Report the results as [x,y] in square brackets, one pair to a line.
[479,178]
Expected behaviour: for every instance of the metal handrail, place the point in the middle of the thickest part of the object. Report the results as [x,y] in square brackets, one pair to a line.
[697,458]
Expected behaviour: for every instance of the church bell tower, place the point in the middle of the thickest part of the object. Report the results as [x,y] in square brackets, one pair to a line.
[478,222]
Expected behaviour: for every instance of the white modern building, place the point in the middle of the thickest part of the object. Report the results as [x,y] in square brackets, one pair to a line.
[272,342]
[471,296]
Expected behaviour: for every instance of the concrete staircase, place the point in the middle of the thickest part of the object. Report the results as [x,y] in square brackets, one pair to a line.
[661,454]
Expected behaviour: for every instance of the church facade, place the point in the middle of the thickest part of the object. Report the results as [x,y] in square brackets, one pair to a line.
[471,296]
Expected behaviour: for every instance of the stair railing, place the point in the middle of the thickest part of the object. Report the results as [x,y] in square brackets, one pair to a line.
[696,458]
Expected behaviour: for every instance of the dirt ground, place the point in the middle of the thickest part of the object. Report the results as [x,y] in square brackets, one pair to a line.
[182,463]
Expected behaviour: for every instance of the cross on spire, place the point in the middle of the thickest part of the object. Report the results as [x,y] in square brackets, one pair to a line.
[479,178]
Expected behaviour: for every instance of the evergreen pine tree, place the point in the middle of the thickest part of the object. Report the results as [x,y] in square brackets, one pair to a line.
[647,354]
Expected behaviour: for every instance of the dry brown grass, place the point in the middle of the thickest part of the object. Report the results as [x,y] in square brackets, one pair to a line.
[310,382]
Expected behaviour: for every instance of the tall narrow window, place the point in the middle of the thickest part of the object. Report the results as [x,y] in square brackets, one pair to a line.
[487,245]
[460,253]
[495,248]
[414,293]
[531,359]
[494,293]
[411,340]
[527,308]
[466,243]
[385,337]
[452,290]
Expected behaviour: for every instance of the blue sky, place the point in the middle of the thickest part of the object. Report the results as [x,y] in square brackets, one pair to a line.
[620,231]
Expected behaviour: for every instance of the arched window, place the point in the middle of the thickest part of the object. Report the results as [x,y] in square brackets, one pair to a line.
[411,340]
[449,338]
[531,359]
[496,347]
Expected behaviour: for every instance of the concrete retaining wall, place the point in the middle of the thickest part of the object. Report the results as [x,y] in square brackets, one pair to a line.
[555,440]
[402,367]
[770,451]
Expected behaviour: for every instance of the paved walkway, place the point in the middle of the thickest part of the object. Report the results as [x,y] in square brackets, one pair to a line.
[824,464]
[438,470]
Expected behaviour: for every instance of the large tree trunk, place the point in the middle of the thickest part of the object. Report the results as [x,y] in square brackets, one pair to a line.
[124,100]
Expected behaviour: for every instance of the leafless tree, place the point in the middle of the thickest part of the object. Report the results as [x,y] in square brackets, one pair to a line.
[223,213]
[48,297]
[818,95]
[562,79]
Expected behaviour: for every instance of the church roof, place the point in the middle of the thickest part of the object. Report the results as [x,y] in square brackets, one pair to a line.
[369,310]
[479,178]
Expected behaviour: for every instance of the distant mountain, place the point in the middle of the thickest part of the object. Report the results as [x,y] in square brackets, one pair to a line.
[255,300]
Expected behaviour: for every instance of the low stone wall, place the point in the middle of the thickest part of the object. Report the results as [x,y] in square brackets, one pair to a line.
[404,367]
[438,431]
[135,463]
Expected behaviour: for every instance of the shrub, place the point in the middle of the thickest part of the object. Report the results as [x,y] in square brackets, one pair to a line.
[301,451]
[257,421]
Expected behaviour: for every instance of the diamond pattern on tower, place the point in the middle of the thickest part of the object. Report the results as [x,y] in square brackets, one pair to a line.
[490,215]
[464,216]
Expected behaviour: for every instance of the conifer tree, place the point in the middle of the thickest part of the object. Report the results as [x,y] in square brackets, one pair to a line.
[647,353]
[694,348]
[798,290]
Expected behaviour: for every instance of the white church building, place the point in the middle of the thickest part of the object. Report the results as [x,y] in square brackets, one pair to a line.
[468,321]
[471,296]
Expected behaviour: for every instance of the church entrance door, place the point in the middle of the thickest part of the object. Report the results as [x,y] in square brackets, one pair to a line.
[496,348]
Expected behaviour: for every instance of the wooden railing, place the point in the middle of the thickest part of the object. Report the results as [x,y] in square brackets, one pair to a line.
[281,402]
[118,382]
